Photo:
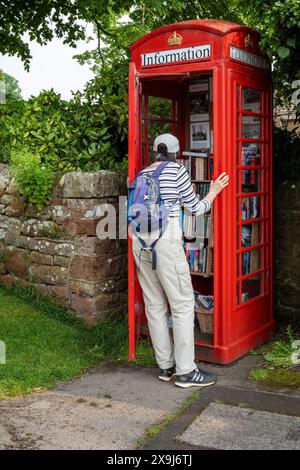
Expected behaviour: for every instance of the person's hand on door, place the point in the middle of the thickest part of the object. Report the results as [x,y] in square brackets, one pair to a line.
[217,186]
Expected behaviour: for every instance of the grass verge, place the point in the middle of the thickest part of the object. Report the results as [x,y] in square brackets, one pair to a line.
[277,377]
[45,343]
[281,362]
[157,428]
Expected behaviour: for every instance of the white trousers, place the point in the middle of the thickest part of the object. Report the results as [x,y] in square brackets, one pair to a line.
[168,289]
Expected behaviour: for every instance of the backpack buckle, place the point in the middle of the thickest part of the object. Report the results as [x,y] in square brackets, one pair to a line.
[146,248]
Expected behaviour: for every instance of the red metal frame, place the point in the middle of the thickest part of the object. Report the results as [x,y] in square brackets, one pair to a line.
[238,327]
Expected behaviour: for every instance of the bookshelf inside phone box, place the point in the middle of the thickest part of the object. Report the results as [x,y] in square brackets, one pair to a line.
[208,83]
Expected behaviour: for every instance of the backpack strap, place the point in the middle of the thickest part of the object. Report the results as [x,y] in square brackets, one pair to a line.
[133,183]
[156,173]
[151,248]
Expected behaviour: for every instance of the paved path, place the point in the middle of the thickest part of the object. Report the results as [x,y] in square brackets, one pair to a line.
[236,414]
[112,406]
[108,408]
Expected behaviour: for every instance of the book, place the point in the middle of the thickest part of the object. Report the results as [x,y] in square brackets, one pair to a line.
[246,235]
[195,154]
[198,85]
[208,228]
[212,262]
[211,167]
[204,301]
[250,207]
[202,188]
[250,154]
[246,259]
[197,167]
[188,225]
[197,258]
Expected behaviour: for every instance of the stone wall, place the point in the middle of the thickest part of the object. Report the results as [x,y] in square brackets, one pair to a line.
[57,248]
[59,251]
[287,251]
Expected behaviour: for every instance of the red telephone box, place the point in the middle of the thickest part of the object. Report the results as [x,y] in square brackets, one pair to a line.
[208,83]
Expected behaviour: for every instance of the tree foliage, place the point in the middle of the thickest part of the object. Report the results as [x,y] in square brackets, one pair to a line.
[39,20]
[11,88]
[278,22]
[83,133]
[90,131]
[34,179]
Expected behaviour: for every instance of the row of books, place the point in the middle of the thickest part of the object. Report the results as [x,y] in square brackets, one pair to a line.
[250,207]
[203,226]
[251,155]
[250,261]
[197,167]
[201,188]
[199,226]
[197,259]
[250,178]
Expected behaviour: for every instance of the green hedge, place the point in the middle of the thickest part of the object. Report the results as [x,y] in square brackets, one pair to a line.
[89,132]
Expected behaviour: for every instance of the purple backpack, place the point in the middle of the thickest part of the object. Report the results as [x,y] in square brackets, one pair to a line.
[146,208]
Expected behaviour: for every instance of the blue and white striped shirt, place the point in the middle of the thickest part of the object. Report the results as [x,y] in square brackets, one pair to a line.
[175,183]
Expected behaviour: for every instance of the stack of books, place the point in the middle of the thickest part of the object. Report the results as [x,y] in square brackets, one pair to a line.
[205,301]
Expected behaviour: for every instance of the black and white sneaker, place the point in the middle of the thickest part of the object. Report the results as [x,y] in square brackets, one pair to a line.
[196,378]
[167,374]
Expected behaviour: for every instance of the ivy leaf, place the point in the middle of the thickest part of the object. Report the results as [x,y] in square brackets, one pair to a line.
[291,42]
[283,52]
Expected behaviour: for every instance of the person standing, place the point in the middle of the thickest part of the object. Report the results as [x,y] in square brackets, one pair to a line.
[169,285]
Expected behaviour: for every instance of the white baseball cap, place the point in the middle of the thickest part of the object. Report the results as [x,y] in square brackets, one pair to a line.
[171,142]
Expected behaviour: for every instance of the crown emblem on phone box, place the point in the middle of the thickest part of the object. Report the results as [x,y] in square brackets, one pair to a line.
[175,39]
[248,41]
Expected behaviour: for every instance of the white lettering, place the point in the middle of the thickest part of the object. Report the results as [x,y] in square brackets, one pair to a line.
[120,460]
[296,354]
[2,352]
[106,227]
[248,58]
